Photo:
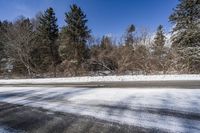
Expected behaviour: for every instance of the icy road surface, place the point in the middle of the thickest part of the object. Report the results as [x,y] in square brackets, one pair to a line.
[169,109]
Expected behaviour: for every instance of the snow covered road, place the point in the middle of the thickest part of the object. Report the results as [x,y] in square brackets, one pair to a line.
[168,109]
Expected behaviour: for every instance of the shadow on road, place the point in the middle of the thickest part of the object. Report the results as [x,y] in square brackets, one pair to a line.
[37,120]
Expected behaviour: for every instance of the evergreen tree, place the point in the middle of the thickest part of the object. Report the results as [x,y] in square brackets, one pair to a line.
[106,43]
[75,34]
[3,31]
[48,33]
[1,47]
[159,40]
[129,40]
[186,18]
[160,53]
[186,33]
[1,42]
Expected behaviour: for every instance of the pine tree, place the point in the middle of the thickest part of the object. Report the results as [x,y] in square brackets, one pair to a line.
[186,18]
[106,43]
[48,33]
[129,40]
[1,42]
[3,31]
[159,40]
[1,47]
[160,52]
[186,33]
[76,32]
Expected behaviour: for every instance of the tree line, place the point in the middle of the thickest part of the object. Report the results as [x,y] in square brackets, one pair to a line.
[35,47]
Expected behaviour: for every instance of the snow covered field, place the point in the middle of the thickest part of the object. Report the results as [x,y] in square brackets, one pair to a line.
[169,109]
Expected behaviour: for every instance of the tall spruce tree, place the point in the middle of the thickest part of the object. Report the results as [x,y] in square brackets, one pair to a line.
[159,40]
[3,39]
[186,18]
[3,28]
[75,35]
[1,42]
[160,52]
[186,33]
[1,47]
[129,40]
[48,33]
[106,43]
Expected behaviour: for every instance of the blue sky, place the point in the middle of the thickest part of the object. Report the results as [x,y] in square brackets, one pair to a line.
[105,16]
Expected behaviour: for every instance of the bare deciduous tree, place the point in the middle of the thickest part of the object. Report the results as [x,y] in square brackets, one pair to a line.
[20,43]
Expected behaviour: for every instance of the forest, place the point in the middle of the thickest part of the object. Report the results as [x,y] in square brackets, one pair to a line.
[38,47]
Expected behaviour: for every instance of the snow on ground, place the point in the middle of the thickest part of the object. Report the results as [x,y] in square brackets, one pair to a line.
[170,109]
[104,79]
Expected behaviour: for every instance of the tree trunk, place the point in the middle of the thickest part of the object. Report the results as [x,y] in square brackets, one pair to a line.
[54,70]
[29,72]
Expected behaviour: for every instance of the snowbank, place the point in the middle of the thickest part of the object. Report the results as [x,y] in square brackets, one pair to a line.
[85,80]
